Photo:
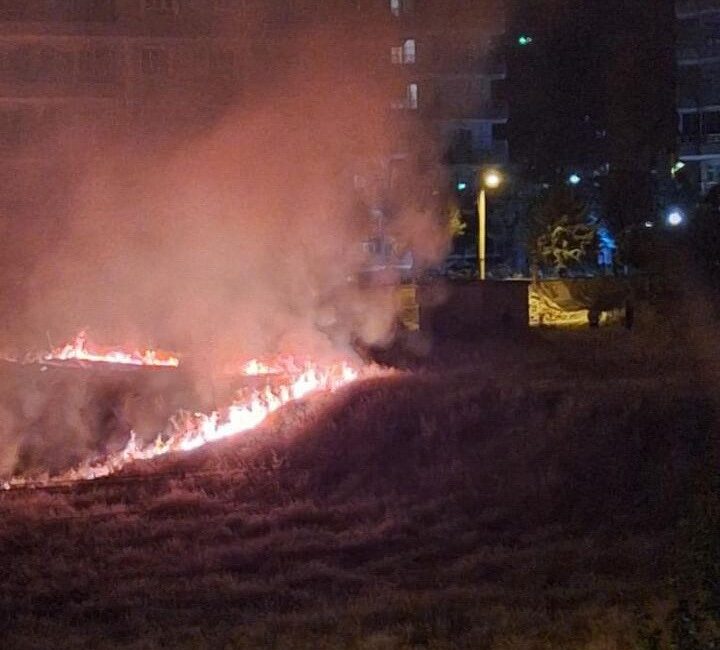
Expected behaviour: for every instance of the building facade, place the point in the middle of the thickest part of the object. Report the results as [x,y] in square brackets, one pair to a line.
[698,100]
[451,75]
[57,54]
[93,67]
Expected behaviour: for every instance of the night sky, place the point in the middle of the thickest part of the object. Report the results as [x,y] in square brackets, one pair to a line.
[594,87]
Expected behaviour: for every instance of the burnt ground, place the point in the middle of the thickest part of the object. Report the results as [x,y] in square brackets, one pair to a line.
[553,490]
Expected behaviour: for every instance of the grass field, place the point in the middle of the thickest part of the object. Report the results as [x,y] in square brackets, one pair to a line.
[556,491]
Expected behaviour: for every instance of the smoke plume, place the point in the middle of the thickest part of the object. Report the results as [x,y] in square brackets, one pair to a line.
[230,235]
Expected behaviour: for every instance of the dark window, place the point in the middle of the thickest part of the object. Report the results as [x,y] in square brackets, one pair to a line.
[711,122]
[26,65]
[155,62]
[98,66]
[13,127]
[58,10]
[30,65]
[499,131]
[54,65]
[461,146]
[499,92]
[15,10]
[690,124]
[222,63]
[88,10]
[228,5]
[162,6]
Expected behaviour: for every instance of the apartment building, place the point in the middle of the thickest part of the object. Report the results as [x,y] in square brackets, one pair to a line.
[698,100]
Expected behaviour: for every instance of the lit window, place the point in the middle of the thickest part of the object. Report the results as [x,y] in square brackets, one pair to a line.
[408,51]
[398,7]
[405,53]
[409,101]
[412,97]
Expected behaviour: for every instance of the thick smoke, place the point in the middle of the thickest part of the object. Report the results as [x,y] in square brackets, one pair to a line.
[246,238]
[229,237]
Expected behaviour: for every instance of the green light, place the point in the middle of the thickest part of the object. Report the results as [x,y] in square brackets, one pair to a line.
[525,40]
[677,167]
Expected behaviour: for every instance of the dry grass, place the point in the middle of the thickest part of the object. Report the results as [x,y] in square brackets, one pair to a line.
[502,496]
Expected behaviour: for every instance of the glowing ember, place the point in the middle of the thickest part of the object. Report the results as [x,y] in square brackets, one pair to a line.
[254,368]
[198,429]
[78,350]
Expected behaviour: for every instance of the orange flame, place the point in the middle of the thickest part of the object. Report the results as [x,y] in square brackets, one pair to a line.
[255,368]
[198,429]
[78,350]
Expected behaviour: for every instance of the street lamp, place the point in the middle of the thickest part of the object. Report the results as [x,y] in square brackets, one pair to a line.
[489,179]
[675,218]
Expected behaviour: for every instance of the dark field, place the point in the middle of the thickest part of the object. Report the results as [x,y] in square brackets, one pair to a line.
[557,491]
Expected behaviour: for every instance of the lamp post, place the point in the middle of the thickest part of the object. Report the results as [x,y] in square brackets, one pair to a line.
[490,179]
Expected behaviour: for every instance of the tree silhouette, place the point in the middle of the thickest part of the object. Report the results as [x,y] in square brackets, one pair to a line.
[560,236]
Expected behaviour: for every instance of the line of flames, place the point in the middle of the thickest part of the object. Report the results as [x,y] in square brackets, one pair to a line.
[77,350]
[201,429]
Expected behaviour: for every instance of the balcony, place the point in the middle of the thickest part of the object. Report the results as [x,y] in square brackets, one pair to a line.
[702,101]
[690,52]
[689,8]
[474,156]
[486,64]
[60,11]
[707,145]
[445,105]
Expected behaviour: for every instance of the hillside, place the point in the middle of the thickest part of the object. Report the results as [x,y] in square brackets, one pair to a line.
[554,492]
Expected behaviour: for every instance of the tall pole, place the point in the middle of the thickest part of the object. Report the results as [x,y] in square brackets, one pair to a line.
[482,218]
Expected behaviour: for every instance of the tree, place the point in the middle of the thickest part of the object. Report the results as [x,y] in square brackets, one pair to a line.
[560,235]
[455,222]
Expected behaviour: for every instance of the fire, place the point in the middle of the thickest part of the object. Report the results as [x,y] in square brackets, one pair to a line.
[78,350]
[255,368]
[192,431]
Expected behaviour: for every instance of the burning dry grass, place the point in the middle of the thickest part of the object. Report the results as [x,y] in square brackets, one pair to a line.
[466,506]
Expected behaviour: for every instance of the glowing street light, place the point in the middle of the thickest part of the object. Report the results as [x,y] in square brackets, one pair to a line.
[675,218]
[461,186]
[524,40]
[574,179]
[490,179]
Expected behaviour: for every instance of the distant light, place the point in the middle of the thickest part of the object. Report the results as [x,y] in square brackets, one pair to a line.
[462,186]
[675,218]
[574,179]
[492,179]
[677,167]
[649,224]
[524,40]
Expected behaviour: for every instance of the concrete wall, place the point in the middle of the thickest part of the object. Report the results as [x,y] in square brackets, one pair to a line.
[474,309]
